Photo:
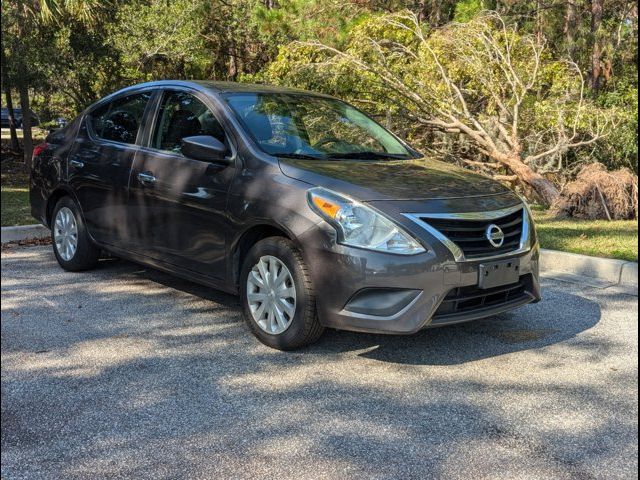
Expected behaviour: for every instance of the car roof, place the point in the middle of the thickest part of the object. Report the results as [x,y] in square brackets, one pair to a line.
[205,86]
[224,87]
[235,87]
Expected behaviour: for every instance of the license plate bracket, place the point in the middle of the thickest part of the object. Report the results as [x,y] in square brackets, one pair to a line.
[496,274]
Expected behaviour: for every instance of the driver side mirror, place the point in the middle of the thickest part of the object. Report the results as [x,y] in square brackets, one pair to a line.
[205,148]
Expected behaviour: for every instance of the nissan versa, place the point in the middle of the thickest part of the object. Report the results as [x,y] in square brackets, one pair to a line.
[308,209]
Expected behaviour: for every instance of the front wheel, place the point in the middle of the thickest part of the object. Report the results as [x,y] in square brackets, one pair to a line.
[277,295]
[72,246]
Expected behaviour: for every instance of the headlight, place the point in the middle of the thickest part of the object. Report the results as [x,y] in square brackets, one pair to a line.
[360,226]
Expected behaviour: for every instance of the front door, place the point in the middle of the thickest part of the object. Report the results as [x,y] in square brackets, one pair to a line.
[179,203]
[100,162]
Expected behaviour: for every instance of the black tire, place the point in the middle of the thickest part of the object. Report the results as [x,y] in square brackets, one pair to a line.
[87,254]
[304,328]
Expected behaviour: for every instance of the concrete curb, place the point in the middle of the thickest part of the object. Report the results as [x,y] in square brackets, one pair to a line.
[629,274]
[593,271]
[23,232]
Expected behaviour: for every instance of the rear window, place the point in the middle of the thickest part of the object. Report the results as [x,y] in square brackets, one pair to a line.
[120,120]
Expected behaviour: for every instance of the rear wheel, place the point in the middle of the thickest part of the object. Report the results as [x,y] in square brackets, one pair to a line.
[277,295]
[72,246]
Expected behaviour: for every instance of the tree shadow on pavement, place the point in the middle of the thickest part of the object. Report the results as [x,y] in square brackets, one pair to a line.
[155,378]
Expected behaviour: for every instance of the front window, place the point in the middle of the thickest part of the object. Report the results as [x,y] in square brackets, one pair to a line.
[305,126]
[183,115]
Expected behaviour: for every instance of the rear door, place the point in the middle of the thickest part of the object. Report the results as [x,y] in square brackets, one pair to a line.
[178,203]
[100,163]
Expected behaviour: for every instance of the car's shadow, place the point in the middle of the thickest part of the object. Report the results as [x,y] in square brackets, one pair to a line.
[559,317]
[530,327]
[145,273]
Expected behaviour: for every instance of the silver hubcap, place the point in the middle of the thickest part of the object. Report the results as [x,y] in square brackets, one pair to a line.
[271,295]
[65,234]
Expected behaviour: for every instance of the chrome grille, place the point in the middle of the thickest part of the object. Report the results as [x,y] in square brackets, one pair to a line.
[470,237]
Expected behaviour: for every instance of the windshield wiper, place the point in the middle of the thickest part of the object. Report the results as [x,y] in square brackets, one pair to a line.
[343,156]
[366,156]
[297,155]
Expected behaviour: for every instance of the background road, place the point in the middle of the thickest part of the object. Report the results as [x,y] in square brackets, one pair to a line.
[127,372]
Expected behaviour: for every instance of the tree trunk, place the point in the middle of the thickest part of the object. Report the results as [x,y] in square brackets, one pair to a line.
[27,138]
[422,11]
[597,8]
[233,62]
[538,22]
[569,29]
[547,191]
[14,144]
[430,12]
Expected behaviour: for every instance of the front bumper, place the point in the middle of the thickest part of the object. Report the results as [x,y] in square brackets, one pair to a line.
[413,289]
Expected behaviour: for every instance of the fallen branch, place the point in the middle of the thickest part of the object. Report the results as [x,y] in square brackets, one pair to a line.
[475,163]
[505,178]
[604,203]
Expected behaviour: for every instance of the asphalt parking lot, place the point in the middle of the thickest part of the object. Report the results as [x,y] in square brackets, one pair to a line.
[124,372]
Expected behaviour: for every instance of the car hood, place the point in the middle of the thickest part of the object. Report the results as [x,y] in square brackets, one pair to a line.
[419,179]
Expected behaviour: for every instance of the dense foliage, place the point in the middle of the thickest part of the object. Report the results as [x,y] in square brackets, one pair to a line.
[61,55]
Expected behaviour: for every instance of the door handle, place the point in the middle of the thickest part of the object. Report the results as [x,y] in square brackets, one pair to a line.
[76,163]
[146,178]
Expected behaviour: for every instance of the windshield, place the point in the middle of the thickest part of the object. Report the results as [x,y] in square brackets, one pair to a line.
[304,126]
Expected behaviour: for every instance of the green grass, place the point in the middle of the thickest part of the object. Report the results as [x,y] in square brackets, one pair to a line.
[15,207]
[598,238]
[14,189]
[37,133]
